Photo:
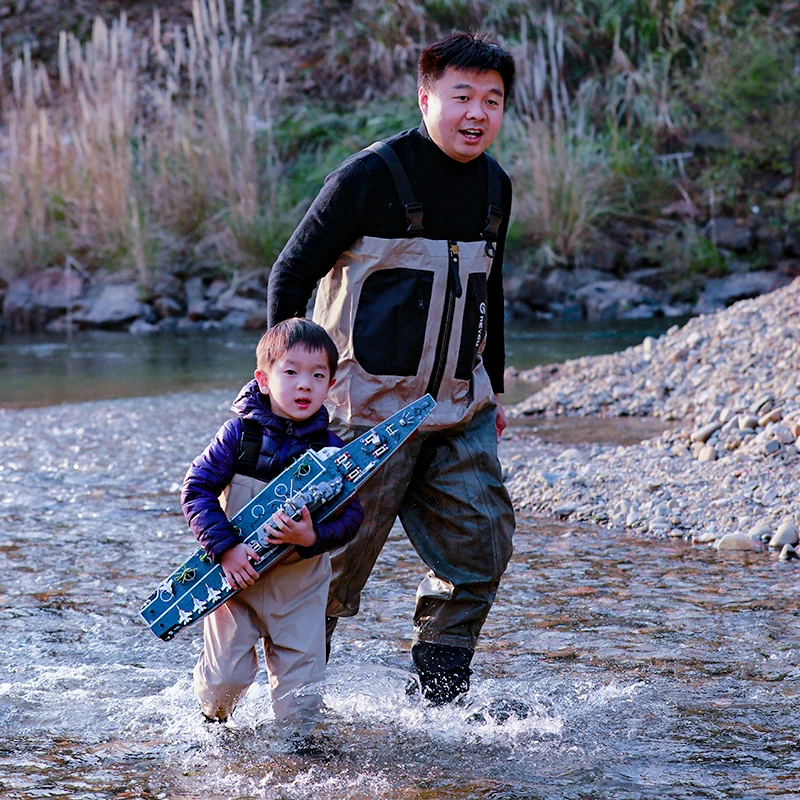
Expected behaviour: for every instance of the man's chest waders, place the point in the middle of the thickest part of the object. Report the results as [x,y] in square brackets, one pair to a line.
[409,317]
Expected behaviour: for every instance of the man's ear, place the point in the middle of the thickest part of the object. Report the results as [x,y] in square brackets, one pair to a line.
[263,381]
[422,99]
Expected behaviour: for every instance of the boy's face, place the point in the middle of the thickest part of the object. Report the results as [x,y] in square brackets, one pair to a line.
[297,383]
[463,111]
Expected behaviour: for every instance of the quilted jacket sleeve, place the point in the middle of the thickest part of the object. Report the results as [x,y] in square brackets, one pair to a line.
[207,477]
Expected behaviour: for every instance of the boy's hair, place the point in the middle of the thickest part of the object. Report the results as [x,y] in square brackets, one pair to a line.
[462,50]
[295,332]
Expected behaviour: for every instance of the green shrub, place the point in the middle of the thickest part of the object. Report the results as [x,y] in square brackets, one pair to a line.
[689,256]
[314,139]
[749,90]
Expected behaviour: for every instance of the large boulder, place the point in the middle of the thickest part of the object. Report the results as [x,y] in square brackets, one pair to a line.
[114,306]
[729,234]
[18,307]
[606,300]
[31,303]
[196,305]
[722,292]
[56,288]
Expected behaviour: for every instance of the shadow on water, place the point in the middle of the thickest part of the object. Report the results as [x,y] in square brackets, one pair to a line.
[645,669]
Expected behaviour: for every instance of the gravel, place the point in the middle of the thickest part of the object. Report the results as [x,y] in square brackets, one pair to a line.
[725,471]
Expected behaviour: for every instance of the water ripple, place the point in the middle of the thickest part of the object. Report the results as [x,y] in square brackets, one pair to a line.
[610,667]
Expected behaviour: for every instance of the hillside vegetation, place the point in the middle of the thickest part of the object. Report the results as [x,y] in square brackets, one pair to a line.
[191,136]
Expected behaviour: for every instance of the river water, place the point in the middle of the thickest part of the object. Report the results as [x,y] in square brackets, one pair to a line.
[42,369]
[645,669]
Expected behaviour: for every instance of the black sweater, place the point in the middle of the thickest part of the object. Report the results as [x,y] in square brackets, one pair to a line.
[359,199]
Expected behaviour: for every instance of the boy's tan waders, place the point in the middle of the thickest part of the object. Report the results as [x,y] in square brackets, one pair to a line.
[285,610]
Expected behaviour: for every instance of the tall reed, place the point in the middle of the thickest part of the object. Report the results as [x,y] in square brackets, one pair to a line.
[147,148]
[564,187]
[562,174]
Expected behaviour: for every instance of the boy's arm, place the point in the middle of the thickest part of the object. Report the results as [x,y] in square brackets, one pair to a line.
[207,477]
[237,566]
[333,532]
[285,530]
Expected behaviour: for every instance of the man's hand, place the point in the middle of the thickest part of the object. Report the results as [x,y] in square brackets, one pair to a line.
[236,565]
[285,530]
[501,422]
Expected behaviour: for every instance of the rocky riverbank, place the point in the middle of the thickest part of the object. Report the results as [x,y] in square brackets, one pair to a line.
[727,473]
[60,299]
[633,272]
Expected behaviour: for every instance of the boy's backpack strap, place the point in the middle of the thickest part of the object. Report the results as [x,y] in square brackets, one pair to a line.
[412,208]
[249,448]
[494,214]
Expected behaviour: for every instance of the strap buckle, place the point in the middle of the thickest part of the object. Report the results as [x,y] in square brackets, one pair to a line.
[414,217]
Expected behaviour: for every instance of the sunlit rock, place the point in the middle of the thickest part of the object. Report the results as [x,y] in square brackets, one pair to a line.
[736,541]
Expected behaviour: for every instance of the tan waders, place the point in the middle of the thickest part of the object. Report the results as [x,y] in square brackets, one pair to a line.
[409,316]
[448,491]
[285,611]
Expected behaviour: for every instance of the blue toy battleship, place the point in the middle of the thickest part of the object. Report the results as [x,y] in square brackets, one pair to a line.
[323,483]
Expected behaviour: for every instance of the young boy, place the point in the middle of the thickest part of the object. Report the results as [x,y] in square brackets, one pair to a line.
[285,609]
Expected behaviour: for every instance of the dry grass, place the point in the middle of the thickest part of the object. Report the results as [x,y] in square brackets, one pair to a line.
[158,147]
[147,146]
[562,175]
[564,187]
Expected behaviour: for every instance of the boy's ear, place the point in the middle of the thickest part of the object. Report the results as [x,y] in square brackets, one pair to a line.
[333,380]
[263,381]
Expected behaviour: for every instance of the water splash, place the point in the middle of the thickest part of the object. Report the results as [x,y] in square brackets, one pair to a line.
[644,669]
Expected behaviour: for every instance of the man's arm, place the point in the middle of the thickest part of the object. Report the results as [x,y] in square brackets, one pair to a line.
[494,353]
[333,223]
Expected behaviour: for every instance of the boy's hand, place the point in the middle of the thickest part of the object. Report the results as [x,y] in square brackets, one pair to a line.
[236,565]
[285,530]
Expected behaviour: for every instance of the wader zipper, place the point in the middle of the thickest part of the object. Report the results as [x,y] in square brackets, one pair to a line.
[453,292]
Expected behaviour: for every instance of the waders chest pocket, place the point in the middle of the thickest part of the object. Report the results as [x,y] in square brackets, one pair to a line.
[389,329]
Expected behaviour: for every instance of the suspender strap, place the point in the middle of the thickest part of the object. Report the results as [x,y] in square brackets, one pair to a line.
[249,448]
[412,208]
[494,215]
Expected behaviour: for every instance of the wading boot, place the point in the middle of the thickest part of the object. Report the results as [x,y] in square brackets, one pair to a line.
[443,671]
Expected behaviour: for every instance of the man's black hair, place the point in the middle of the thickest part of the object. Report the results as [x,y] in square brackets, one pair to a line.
[462,50]
[295,332]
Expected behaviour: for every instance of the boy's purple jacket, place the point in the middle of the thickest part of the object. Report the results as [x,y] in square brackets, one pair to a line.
[282,442]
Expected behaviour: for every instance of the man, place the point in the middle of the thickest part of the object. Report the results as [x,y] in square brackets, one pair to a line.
[407,240]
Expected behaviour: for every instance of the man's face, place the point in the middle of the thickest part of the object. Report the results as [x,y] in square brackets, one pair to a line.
[463,111]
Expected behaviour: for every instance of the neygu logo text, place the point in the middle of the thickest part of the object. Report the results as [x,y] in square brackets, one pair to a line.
[481,324]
